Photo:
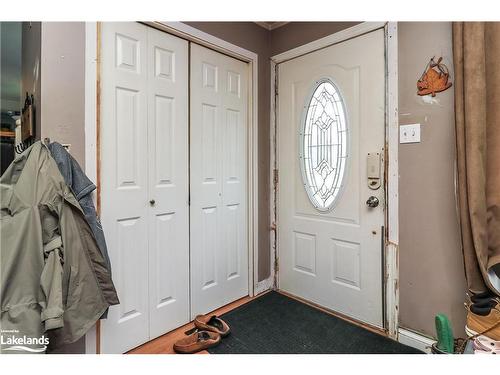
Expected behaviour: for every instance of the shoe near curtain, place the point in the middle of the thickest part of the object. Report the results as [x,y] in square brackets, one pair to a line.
[476,55]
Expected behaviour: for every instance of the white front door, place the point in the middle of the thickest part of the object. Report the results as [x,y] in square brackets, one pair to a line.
[218,175]
[144,177]
[331,121]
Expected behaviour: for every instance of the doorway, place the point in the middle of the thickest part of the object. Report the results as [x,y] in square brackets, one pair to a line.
[174,180]
[331,159]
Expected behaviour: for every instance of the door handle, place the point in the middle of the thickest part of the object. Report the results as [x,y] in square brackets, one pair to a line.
[372,202]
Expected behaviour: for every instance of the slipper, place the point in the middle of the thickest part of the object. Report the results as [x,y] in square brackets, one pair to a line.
[197,341]
[212,323]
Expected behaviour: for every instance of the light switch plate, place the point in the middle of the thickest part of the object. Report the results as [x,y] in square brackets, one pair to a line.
[409,133]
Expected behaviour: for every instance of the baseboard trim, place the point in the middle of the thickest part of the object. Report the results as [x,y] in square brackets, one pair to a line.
[263,286]
[415,340]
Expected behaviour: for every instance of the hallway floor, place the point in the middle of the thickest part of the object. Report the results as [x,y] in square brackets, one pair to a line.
[273,323]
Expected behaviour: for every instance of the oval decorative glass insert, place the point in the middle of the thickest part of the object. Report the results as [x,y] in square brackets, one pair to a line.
[323,145]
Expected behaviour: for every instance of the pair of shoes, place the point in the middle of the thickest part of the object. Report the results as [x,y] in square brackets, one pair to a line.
[483,318]
[209,331]
[484,345]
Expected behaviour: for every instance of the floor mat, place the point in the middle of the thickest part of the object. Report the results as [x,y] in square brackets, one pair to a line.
[276,324]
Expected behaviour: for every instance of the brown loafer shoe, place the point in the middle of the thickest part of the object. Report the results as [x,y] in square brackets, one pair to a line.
[212,323]
[197,341]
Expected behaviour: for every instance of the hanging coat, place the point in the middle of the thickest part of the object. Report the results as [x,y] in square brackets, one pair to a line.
[48,283]
[82,187]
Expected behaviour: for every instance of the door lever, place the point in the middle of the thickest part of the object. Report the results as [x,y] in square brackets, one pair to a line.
[372,202]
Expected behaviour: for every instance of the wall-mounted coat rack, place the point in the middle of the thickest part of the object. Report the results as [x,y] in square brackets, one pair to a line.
[27,124]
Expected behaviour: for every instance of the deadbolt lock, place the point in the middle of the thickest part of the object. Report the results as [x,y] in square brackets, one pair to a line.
[373,170]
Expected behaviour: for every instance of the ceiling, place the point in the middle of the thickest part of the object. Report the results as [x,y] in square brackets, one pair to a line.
[271,25]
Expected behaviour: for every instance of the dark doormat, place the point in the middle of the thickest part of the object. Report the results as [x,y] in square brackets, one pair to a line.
[276,324]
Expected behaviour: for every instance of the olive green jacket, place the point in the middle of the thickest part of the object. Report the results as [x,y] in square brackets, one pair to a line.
[54,280]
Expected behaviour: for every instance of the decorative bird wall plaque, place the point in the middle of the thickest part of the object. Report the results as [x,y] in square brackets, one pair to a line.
[434,78]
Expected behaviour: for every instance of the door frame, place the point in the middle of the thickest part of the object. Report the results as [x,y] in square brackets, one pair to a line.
[92,134]
[390,296]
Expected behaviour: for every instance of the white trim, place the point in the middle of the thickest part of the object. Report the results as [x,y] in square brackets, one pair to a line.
[327,41]
[391,275]
[90,132]
[272,188]
[253,166]
[90,99]
[91,341]
[264,285]
[197,36]
[415,340]
[392,184]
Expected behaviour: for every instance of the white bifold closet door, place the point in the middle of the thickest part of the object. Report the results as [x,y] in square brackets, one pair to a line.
[218,174]
[144,174]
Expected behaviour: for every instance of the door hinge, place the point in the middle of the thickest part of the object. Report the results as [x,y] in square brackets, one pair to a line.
[276,265]
[275,177]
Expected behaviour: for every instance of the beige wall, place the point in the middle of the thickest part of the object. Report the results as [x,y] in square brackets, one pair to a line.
[62,108]
[431,270]
[63,85]
[295,34]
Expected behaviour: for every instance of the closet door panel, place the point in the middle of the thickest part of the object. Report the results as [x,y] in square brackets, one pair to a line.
[168,182]
[124,181]
[234,174]
[219,251]
[144,173]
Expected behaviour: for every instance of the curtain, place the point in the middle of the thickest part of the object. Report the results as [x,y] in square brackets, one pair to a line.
[476,57]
